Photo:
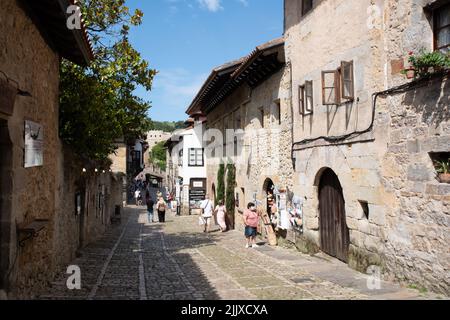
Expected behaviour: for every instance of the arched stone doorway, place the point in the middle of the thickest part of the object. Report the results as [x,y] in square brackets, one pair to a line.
[5,201]
[334,233]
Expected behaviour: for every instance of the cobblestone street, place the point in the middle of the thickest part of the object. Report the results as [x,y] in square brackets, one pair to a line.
[176,261]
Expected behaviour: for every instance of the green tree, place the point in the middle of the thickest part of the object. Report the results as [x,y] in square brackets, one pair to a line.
[167,126]
[158,155]
[220,183]
[230,198]
[97,103]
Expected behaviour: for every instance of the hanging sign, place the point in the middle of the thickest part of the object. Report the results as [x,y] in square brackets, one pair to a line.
[34,144]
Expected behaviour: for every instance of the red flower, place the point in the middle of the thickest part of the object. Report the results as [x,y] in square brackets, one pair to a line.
[411,53]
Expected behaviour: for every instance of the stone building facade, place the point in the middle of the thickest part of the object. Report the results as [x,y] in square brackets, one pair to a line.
[257,112]
[187,163]
[364,138]
[41,198]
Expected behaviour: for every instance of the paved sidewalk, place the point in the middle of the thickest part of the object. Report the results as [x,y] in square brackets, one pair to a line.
[176,261]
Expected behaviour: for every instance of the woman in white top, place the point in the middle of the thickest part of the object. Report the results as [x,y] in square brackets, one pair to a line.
[221,211]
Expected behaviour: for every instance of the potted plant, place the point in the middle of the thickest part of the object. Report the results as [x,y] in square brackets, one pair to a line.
[443,170]
[426,63]
[410,73]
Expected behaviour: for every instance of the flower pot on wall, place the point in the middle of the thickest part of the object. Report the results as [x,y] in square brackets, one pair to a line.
[444,177]
[410,74]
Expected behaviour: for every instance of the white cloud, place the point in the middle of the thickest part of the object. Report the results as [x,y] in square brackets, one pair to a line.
[211,5]
[177,87]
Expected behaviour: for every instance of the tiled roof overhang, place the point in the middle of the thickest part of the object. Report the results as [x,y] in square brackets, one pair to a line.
[51,16]
[218,77]
[262,63]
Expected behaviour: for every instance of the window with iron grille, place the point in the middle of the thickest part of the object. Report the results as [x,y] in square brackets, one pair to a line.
[441,17]
[196,158]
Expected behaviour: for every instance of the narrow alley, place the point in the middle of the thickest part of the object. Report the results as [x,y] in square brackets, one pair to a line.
[176,261]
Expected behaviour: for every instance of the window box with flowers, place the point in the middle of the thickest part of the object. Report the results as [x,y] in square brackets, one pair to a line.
[425,64]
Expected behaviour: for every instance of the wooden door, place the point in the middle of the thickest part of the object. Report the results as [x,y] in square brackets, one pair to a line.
[334,233]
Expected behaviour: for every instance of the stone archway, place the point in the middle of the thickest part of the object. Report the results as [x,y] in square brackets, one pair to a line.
[5,201]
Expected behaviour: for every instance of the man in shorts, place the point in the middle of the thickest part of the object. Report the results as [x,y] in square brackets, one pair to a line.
[207,212]
[251,220]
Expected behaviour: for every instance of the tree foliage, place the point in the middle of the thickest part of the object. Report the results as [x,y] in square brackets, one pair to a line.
[220,192]
[167,126]
[158,155]
[230,198]
[98,105]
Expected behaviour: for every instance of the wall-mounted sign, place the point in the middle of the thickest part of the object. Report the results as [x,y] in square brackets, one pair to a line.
[197,184]
[34,144]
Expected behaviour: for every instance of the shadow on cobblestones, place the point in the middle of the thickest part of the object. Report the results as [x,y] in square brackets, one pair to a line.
[140,261]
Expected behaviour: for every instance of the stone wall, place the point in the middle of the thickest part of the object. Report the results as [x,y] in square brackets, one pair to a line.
[44,192]
[35,66]
[265,152]
[417,227]
[388,167]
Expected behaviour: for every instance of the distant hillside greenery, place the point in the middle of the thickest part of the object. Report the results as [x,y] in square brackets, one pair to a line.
[158,155]
[167,126]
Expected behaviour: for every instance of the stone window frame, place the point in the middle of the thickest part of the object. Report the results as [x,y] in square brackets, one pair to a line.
[196,156]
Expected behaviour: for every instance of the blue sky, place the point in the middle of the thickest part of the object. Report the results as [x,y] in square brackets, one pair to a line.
[185,39]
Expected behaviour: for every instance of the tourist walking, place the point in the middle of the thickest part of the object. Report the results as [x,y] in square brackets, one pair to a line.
[221,212]
[161,206]
[150,204]
[137,196]
[207,213]
[251,220]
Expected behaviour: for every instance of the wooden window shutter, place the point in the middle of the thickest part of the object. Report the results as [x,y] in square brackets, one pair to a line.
[347,80]
[309,97]
[330,87]
[301,99]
